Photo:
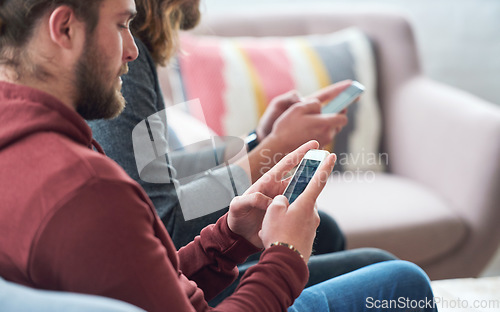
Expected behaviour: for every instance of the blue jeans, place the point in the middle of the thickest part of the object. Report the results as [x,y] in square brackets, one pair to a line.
[14,297]
[322,267]
[387,286]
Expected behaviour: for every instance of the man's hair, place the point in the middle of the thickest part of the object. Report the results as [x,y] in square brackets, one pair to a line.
[19,18]
[157,24]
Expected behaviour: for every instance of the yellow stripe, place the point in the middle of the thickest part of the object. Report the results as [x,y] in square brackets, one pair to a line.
[316,63]
[320,71]
[258,89]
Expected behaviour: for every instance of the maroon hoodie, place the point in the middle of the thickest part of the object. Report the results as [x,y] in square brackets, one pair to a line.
[72,220]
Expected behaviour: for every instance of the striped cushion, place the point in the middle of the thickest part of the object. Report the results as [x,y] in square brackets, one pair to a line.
[235,78]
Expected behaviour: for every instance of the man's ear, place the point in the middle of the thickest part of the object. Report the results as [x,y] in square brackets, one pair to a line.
[65,27]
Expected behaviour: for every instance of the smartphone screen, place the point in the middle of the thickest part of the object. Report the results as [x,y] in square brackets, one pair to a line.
[344,99]
[301,178]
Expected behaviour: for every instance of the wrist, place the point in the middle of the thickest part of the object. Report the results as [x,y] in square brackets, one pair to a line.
[289,246]
[261,134]
[252,140]
[264,157]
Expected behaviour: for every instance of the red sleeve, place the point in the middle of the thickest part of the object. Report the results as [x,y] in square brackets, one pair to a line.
[104,240]
[271,285]
[211,259]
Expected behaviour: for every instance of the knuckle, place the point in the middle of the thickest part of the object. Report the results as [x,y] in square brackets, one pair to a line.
[316,219]
[235,200]
[257,198]
[328,138]
[314,102]
[280,204]
[298,108]
[343,119]
[288,98]
[315,105]
[293,94]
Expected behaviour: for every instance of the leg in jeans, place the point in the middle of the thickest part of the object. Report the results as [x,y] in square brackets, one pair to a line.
[402,282]
[19,298]
[323,267]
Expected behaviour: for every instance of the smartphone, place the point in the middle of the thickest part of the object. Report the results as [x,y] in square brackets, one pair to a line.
[344,99]
[304,173]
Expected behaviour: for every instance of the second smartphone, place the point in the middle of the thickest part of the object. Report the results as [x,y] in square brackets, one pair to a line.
[344,99]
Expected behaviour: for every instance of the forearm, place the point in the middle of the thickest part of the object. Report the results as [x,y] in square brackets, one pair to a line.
[211,259]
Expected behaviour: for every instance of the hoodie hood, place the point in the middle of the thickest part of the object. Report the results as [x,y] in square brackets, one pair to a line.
[25,111]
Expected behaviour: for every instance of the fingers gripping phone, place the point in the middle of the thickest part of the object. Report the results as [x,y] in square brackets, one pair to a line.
[344,99]
[304,173]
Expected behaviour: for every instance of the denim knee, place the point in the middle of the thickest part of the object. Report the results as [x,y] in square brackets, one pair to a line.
[404,270]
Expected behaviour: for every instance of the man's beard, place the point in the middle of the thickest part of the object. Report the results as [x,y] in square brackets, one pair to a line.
[94,100]
[191,14]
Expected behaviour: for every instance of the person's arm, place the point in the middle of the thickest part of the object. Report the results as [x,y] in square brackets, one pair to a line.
[263,217]
[106,240]
[288,122]
[222,250]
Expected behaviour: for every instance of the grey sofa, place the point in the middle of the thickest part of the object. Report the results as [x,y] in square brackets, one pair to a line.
[438,204]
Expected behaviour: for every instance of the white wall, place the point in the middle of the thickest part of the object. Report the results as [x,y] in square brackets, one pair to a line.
[459,40]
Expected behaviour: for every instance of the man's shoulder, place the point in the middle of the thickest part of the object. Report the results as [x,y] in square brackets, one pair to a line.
[68,164]
[89,178]
[51,175]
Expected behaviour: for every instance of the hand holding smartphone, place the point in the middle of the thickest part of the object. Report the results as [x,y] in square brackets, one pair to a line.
[344,99]
[304,173]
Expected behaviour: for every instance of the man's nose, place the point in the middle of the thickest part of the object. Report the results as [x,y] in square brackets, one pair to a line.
[130,51]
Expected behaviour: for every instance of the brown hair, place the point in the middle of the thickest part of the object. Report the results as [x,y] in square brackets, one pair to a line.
[18,19]
[157,24]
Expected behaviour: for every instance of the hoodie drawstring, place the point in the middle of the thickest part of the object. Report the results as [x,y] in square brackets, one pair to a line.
[96,146]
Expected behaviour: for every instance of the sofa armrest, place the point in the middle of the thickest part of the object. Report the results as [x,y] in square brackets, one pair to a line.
[449,141]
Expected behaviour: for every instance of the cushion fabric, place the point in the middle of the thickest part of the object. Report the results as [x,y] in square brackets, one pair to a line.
[235,78]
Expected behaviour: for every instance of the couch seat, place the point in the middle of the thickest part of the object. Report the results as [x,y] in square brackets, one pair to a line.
[392,213]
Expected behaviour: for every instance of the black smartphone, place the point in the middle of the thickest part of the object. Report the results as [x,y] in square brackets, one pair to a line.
[304,173]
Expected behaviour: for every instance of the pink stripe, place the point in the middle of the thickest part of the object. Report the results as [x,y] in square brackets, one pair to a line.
[272,65]
[202,72]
